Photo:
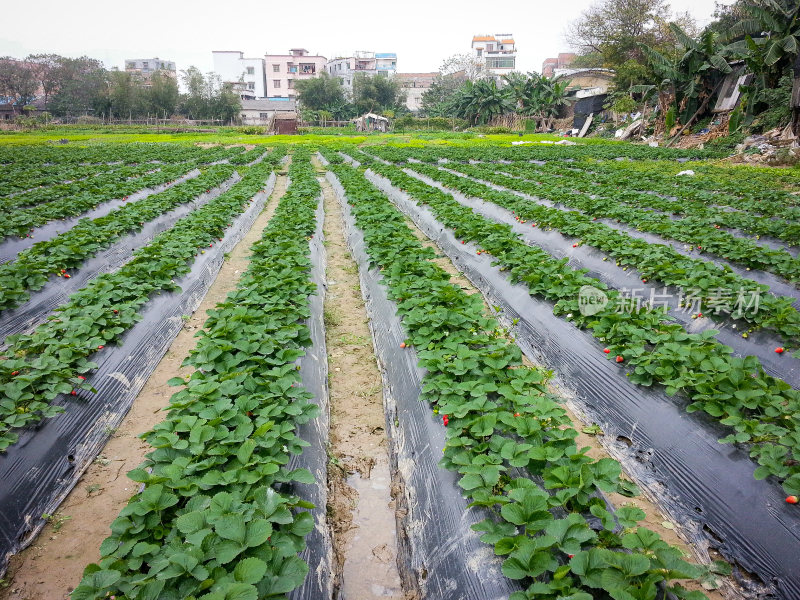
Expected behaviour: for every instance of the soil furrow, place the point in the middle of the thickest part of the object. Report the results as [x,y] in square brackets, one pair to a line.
[360,507]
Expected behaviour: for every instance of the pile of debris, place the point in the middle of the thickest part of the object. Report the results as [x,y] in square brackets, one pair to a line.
[775,146]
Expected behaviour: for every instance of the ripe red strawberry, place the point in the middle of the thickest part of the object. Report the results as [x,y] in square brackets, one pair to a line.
[211,245]
[699,314]
[619,359]
[100,347]
[403,345]
[73,393]
[82,377]
[67,275]
[445,420]
[606,350]
[116,311]
[516,414]
[779,350]
[463,242]
[574,245]
[792,500]
[13,373]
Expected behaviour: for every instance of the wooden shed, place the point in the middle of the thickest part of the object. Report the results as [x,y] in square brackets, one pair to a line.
[283,124]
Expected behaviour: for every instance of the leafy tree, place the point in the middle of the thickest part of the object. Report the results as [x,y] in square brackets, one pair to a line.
[323,94]
[47,72]
[617,34]
[376,93]
[467,65]
[207,97]
[615,29]
[162,97]
[125,94]
[437,100]
[81,87]
[17,80]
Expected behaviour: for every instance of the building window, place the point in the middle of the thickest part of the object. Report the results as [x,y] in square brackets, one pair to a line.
[290,84]
[263,115]
[145,65]
[480,52]
[276,83]
[251,85]
[276,68]
[500,63]
[250,70]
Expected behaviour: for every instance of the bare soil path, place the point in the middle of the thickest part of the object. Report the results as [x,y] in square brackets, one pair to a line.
[360,507]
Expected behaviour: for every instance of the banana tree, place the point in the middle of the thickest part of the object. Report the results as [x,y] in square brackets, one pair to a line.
[518,87]
[774,28]
[480,101]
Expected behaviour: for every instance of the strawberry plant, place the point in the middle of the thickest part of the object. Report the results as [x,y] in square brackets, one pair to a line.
[760,409]
[655,262]
[32,267]
[475,377]
[50,358]
[101,189]
[217,518]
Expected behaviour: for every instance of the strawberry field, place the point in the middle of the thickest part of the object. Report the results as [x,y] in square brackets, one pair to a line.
[588,364]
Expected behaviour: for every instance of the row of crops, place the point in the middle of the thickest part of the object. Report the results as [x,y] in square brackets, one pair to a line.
[220,510]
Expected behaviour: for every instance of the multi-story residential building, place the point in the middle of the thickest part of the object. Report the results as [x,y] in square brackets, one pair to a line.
[498,52]
[414,85]
[284,70]
[370,63]
[562,61]
[145,67]
[246,75]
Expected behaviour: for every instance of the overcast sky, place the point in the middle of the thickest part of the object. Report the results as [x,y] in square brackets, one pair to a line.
[422,33]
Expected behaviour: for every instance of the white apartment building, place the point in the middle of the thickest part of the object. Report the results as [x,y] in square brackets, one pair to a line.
[245,74]
[370,63]
[497,52]
[284,70]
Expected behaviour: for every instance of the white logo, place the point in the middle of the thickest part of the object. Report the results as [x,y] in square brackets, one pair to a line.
[591,300]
